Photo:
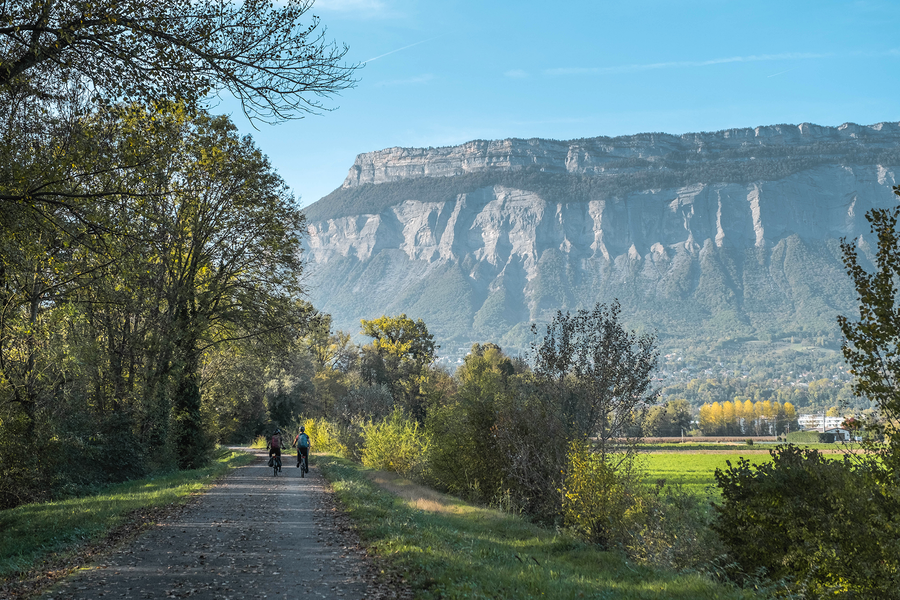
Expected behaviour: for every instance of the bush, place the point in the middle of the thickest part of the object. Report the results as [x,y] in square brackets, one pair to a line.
[675,530]
[609,505]
[465,459]
[531,445]
[823,525]
[396,444]
[326,437]
[599,501]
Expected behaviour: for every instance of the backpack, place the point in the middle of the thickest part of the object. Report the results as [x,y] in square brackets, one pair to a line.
[303,441]
[276,442]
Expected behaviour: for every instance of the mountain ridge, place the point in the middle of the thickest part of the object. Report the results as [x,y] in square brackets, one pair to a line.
[740,240]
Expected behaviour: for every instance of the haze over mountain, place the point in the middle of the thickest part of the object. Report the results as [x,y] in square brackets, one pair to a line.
[730,234]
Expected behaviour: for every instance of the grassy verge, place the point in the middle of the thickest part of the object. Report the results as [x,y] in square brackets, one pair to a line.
[471,552]
[34,533]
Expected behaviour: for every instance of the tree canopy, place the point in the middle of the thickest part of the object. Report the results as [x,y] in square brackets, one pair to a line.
[872,344]
[597,372]
[401,337]
[270,56]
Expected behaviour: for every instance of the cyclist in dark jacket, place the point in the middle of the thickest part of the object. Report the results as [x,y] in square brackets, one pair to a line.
[274,445]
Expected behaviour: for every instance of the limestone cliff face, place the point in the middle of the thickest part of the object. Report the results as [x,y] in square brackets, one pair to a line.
[705,258]
[604,156]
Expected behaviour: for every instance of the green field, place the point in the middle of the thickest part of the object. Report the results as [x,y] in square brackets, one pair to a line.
[693,470]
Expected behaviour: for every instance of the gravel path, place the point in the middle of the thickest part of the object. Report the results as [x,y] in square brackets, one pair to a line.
[252,535]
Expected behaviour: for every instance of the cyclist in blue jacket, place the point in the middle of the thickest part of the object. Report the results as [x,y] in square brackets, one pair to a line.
[303,444]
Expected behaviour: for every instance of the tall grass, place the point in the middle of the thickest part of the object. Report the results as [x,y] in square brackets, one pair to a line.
[471,552]
[33,532]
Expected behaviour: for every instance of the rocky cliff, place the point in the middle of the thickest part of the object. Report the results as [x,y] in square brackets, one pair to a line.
[726,234]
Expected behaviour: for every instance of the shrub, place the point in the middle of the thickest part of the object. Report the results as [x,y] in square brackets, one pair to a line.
[531,445]
[675,532]
[597,502]
[609,505]
[326,437]
[396,444]
[825,525]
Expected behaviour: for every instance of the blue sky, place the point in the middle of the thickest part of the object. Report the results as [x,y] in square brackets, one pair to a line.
[443,72]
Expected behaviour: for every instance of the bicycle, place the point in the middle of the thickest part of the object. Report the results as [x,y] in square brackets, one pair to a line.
[304,466]
[276,465]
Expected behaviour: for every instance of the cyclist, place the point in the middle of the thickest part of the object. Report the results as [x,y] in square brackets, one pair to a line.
[303,444]
[274,446]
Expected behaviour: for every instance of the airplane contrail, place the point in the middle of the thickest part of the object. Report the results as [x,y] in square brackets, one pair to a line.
[782,73]
[399,49]
[684,64]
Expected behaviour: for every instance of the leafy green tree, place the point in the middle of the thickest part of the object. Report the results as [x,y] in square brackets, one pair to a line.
[138,234]
[401,337]
[872,344]
[670,419]
[271,56]
[597,375]
[465,457]
[289,389]
[329,350]
[233,388]
[226,237]
[400,355]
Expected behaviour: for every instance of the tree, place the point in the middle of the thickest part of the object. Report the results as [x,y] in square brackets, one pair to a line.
[262,53]
[401,337]
[670,419]
[465,426]
[137,233]
[61,60]
[597,374]
[872,345]
[401,354]
[226,236]
[328,350]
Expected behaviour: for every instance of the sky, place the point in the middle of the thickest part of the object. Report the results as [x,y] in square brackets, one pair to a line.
[444,72]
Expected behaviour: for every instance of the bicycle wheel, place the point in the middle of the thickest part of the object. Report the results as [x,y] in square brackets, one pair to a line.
[303,467]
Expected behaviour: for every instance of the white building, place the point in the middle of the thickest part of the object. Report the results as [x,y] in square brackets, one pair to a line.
[814,421]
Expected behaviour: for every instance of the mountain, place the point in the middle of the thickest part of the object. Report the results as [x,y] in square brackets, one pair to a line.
[732,234]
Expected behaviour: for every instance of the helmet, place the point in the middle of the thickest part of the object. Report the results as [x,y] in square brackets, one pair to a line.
[302,429]
[277,431]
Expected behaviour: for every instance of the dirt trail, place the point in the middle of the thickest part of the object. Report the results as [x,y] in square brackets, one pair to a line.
[251,536]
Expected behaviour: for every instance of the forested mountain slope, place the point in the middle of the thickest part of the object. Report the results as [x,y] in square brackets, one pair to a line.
[732,234]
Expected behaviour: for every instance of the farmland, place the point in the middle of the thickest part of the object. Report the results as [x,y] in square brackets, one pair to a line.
[693,466]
